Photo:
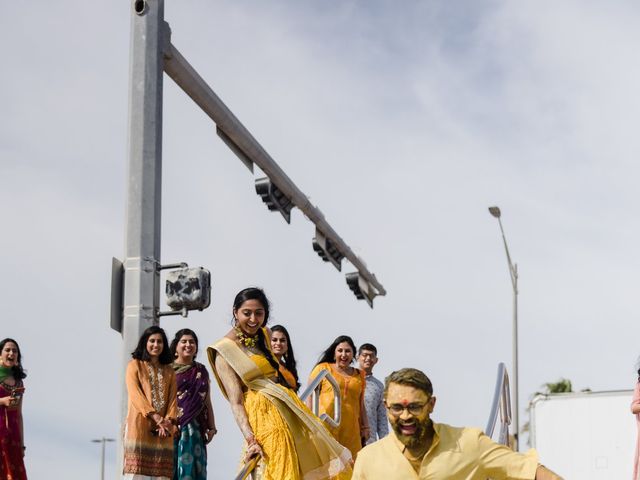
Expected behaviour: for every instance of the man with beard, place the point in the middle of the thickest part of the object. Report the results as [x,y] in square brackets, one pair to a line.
[419,448]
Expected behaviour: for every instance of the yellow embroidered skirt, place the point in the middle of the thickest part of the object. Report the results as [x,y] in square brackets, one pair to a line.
[272,433]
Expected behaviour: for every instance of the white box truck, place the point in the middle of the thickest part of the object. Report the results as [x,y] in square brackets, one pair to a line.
[586,435]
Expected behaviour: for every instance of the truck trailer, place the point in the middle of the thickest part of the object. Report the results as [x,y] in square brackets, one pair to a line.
[586,435]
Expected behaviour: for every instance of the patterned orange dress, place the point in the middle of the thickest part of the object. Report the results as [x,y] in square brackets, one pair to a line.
[352,389]
[150,389]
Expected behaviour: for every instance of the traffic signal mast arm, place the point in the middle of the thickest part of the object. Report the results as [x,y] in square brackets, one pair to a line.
[240,140]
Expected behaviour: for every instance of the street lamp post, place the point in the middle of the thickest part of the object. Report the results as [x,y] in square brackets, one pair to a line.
[103,441]
[513,273]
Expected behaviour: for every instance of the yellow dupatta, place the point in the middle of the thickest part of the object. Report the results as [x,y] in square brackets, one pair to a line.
[320,456]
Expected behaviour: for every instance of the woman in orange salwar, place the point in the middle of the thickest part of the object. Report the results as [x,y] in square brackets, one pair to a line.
[152,409]
[11,432]
[291,442]
[353,423]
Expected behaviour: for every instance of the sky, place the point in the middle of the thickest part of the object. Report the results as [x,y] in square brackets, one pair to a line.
[402,122]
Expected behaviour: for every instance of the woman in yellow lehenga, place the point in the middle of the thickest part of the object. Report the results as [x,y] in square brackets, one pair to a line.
[277,426]
[353,423]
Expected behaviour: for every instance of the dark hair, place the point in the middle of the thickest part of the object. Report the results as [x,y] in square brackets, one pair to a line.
[254,293]
[179,334]
[141,353]
[18,372]
[329,355]
[409,376]
[369,347]
[289,357]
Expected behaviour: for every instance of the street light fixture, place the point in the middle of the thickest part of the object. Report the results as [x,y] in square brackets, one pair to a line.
[103,441]
[513,273]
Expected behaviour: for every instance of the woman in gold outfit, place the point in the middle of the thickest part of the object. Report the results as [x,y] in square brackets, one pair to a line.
[337,358]
[283,351]
[290,441]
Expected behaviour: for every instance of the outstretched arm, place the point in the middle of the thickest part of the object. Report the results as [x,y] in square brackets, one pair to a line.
[22,428]
[233,387]
[543,473]
[635,403]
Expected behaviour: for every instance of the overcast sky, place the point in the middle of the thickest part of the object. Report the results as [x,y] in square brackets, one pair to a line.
[402,121]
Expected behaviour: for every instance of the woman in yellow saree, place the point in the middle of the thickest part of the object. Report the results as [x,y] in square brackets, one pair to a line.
[292,443]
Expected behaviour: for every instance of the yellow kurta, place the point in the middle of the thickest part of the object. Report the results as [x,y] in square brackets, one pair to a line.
[145,453]
[294,442]
[352,393]
[456,454]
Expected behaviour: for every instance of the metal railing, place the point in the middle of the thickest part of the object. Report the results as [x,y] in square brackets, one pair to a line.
[312,389]
[501,405]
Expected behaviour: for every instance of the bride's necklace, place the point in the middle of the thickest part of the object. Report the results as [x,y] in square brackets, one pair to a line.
[244,339]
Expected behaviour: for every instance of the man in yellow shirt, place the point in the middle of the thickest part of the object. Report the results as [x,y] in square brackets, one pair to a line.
[418,448]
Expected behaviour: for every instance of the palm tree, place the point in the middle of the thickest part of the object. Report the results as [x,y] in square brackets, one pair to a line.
[561,386]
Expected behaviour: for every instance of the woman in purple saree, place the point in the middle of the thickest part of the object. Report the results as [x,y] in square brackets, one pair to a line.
[195,412]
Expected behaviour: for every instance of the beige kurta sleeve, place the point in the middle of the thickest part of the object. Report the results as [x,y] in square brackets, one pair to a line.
[134,389]
[499,461]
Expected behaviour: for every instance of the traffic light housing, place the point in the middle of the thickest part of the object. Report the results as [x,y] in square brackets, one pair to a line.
[327,250]
[362,289]
[274,198]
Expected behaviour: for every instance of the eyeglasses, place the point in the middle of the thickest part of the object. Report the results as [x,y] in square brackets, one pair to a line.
[414,409]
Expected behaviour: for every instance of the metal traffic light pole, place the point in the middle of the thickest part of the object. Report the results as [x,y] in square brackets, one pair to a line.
[151,54]
[142,237]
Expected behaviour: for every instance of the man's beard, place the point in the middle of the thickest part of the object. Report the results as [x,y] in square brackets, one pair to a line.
[417,438]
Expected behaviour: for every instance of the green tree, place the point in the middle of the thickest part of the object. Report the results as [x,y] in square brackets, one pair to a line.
[561,386]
